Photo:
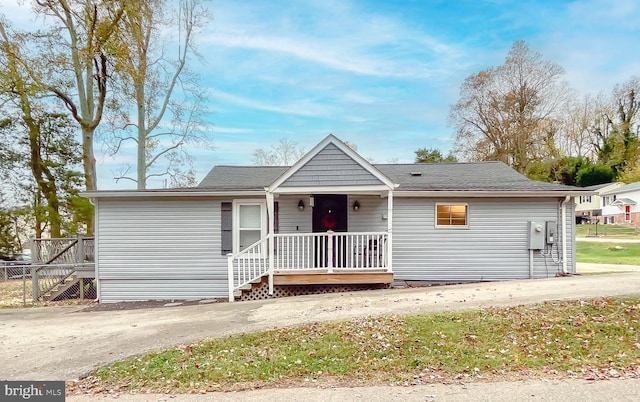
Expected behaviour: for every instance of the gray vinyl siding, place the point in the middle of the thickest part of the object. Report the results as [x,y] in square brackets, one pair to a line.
[493,247]
[331,167]
[160,249]
[291,219]
[369,218]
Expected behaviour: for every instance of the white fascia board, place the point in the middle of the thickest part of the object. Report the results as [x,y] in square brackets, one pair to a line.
[490,194]
[331,139]
[155,194]
[374,189]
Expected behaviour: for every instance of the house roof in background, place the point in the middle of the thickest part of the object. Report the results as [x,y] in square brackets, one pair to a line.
[601,186]
[624,189]
[624,201]
[479,176]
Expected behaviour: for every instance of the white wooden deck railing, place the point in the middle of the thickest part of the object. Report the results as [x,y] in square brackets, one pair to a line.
[329,252]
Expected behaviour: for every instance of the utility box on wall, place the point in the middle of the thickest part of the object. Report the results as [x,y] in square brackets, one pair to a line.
[536,235]
[551,234]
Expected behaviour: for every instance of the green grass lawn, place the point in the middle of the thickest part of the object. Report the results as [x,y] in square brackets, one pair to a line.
[607,231]
[608,253]
[593,339]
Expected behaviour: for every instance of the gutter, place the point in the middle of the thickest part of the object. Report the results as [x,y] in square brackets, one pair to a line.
[491,194]
[164,193]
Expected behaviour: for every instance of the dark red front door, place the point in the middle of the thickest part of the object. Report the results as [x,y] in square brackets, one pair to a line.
[329,213]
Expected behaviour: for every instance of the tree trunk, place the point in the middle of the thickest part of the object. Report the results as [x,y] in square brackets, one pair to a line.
[89,164]
[42,175]
[142,137]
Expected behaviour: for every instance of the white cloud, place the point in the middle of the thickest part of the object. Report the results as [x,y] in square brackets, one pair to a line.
[226,130]
[340,38]
[301,107]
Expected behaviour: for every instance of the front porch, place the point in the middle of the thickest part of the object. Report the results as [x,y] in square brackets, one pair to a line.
[329,258]
[326,220]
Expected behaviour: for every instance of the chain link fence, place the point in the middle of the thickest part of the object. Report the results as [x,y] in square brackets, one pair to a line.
[15,284]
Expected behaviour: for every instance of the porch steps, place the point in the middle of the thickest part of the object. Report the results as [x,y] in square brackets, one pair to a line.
[246,288]
[60,288]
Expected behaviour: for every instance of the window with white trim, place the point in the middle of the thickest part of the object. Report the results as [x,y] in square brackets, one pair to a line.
[452,215]
[249,223]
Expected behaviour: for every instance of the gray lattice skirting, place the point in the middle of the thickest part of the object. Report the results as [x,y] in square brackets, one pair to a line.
[260,291]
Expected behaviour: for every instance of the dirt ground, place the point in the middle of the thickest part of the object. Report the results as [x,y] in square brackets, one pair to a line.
[64,343]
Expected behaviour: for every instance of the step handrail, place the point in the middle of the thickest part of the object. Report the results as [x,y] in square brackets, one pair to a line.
[247,265]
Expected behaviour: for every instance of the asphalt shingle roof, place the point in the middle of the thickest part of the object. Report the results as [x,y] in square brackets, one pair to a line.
[241,177]
[480,176]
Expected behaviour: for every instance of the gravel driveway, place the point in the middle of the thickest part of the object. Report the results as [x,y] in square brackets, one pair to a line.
[63,343]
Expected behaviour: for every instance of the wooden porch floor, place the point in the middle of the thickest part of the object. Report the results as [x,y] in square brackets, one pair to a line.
[334,278]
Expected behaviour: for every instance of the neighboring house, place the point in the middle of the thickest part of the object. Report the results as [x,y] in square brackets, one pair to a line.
[331,219]
[620,205]
[589,207]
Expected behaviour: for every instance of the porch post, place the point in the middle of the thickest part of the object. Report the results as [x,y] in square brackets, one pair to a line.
[271,244]
[390,231]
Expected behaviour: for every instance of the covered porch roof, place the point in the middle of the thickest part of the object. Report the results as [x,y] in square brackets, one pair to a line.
[623,201]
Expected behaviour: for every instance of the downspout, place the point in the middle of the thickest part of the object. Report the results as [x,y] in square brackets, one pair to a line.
[564,234]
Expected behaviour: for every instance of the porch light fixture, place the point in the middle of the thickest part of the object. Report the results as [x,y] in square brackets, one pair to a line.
[356,205]
[301,205]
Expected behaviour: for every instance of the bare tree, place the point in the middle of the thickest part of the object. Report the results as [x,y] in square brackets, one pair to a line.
[509,113]
[576,121]
[285,153]
[166,100]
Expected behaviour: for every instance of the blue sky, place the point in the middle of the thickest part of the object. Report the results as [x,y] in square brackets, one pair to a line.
[381,74]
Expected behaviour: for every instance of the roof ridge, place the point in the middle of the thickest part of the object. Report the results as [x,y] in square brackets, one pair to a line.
[435,163]
[253,166]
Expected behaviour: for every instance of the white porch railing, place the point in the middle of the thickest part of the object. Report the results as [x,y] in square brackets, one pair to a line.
[329,252]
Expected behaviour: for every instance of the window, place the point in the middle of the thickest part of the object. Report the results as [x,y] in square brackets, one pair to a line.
[585,199]
[454,215]
[249,223]
[627,213]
